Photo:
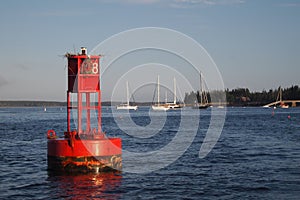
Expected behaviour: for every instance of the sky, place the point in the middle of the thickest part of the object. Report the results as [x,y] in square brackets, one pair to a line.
[254,43]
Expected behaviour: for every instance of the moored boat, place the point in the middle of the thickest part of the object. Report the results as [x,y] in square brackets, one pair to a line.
[127,106]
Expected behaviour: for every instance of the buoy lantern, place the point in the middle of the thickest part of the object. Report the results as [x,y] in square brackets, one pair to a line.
[85,149]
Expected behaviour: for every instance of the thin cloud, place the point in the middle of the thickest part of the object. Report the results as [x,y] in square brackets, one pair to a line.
[210,2]
[176,3]
[131,1]
[62,13]
[289,5]
[143,1]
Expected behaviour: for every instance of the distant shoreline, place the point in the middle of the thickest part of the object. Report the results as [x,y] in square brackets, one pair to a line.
[240,97]
[9,104]
[28,104]
[20,103]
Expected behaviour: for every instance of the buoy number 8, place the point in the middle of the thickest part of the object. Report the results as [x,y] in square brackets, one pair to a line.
[95,68]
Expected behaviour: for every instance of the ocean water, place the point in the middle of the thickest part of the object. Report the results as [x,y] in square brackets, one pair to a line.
[257,157]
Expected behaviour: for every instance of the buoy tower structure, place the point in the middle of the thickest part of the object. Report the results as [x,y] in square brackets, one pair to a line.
[86,148]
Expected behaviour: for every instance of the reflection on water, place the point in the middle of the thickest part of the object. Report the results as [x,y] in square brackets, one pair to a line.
[87,186]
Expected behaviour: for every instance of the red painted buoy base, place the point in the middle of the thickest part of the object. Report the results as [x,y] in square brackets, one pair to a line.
[85,155]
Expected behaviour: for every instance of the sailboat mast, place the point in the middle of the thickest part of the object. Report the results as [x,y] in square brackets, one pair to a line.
[166,97]
[174,90]
[127,92]
[158,90]
[201,88]
[280,94]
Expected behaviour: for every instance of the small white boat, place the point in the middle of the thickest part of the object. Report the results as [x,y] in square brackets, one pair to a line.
[167,105]
[174,105]
[158,106]
[127,106]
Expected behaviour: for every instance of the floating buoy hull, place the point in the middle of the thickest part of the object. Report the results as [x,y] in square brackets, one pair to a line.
[85,156]
[86,149]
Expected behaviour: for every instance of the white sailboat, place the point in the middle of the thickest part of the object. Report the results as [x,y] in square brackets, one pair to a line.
[158,106]
[174,104]
[127,106]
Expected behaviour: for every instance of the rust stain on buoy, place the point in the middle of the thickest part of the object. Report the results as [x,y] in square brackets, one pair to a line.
[84,150]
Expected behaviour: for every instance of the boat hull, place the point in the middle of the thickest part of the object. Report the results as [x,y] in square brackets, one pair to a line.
[201,107]
[160,108]
[174,106]
[127,107]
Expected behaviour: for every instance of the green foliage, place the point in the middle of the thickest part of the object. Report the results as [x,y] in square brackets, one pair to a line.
[244,97]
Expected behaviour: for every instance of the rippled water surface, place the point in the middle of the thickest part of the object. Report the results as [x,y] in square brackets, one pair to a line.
[256,157]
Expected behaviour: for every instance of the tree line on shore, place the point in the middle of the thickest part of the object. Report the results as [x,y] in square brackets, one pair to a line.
[244,97]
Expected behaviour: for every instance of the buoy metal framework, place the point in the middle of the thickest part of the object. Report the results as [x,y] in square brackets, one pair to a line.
[86,149]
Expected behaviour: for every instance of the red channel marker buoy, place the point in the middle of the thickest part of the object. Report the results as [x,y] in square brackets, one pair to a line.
[84,150]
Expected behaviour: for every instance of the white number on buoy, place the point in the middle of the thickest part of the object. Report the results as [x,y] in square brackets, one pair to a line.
[95,68]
